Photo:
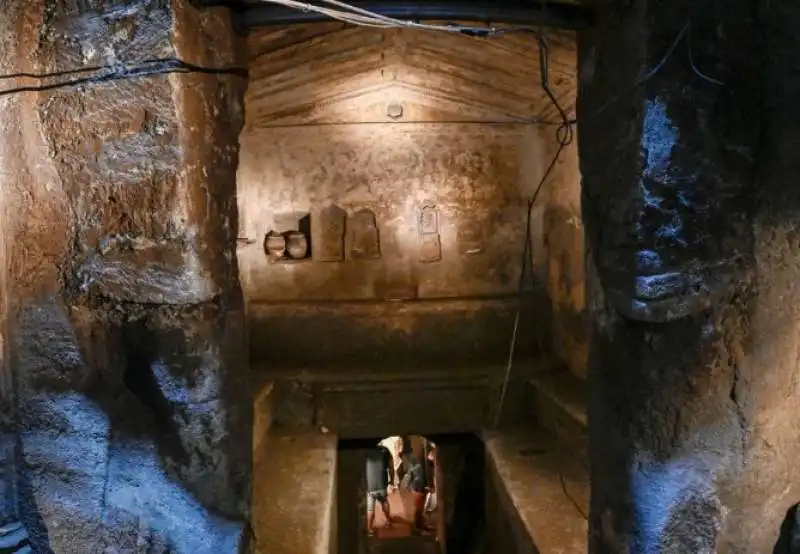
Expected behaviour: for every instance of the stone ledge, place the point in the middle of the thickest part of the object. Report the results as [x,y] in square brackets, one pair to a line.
[357,401]
[524,465]
[335,374]
[403,333]
[294,494]
[559,405]
[262,418]
[565,389]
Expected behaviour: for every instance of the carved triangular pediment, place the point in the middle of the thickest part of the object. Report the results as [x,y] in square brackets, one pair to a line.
[372,105]
[353,75]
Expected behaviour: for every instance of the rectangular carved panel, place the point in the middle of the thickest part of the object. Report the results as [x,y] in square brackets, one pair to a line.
[332,225]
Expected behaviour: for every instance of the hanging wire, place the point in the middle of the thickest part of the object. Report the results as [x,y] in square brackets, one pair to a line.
[694,66]
[116,72]
[359,16]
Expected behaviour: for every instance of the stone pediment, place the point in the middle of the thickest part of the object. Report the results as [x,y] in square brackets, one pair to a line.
[346,75]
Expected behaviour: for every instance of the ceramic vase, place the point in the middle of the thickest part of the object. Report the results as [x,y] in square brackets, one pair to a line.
[297,245]
[275,245]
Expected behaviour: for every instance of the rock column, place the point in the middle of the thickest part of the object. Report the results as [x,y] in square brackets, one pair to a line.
[693,232]
[129,344]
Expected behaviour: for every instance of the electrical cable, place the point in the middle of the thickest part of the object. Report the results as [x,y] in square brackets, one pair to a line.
[360,16]
[561,478]
[347,17]
[564,136]
[116,72]
[694,66]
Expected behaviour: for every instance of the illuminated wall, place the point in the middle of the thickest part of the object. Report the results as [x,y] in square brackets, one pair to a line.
[395,121]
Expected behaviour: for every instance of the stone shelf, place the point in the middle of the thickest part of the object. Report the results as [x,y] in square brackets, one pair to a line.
[559,405]
[294,494]
[524,465]
[291,261]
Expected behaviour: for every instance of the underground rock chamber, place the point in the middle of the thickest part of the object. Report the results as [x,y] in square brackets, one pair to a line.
[399,163]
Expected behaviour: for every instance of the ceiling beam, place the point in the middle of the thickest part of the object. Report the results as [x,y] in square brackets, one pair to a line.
[551,14]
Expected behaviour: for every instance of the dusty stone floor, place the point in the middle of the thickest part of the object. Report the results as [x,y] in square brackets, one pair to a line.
[399,538]
[401,507]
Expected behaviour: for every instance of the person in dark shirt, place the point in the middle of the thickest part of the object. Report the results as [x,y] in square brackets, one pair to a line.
[418,486]
[431,499]
[380,476]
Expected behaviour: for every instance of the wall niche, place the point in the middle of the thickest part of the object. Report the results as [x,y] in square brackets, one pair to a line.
[289,241]
[364,236]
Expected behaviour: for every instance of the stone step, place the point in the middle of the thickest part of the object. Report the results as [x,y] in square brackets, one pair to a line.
[541,497]
[14,539]
[559,405]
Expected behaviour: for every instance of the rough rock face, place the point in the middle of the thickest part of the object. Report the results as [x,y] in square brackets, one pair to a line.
[126,328]
[691,216]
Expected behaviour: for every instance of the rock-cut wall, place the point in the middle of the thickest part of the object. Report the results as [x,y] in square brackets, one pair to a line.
[126,338]
[691,211]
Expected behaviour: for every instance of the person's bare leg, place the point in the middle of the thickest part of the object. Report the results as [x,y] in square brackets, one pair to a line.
[386,513]
[371,522]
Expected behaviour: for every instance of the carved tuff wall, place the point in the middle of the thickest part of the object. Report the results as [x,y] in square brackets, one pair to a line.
[426,132]
[691,211]
[126,324]
[563,244]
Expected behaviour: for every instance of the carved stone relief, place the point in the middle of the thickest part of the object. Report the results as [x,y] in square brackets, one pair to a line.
[430,243]
[364,236]
[332,227]
[430,249]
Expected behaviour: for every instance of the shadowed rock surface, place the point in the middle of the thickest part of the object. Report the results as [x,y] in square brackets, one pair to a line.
[125,344]
[691,214]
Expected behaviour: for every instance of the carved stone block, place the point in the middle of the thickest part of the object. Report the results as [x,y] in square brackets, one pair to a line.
[429,220]
[430,243]
[430,249]
[364,236]
[332,226]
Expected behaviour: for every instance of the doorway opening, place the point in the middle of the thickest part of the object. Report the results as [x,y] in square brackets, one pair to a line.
[408,504]
[431,488]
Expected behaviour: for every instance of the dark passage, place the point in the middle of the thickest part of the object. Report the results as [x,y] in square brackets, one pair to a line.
[456,516]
